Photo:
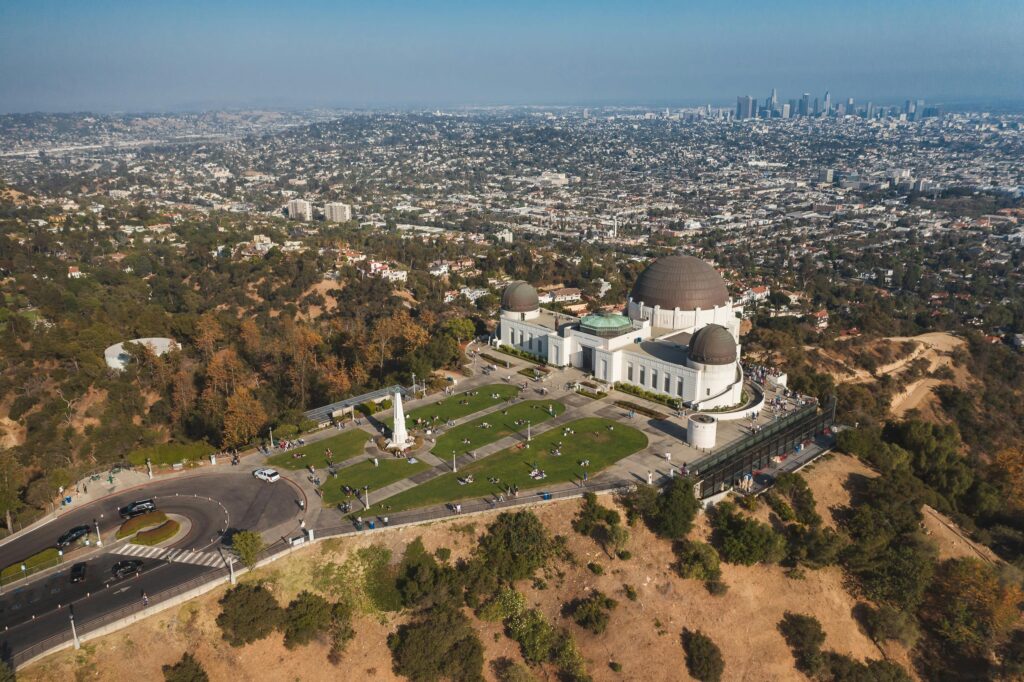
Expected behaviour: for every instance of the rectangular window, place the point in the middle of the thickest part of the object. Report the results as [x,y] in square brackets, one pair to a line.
[668,384]
[629,372]
[530,342]
[654,379]
[680,387]
[643,372]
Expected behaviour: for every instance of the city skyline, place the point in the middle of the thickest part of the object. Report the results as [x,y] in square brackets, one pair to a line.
[115,56]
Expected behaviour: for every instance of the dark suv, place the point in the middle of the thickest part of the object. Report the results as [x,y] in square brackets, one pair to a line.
[137,508]
[76,533]
[78,573]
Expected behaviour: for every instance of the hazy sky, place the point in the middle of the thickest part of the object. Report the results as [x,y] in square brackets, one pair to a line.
[148,55]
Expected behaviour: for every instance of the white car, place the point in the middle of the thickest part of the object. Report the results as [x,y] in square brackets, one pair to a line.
[268,475]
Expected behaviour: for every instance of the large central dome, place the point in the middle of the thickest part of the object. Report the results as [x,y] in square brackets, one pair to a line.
[682,282]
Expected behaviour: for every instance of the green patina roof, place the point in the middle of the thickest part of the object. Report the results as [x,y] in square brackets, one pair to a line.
[606,322]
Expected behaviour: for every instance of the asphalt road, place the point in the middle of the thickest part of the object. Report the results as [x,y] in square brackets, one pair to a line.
[214,505]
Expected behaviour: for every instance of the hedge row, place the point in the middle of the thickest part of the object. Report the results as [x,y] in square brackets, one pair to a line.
[666,400]
[37,562]
[640,409]
[155,536]
[141,522]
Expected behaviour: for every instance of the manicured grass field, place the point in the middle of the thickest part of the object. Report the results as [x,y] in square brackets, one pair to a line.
[535,411]
[357,476]
[345,445]
[36,562]
[459,405]
[593,439]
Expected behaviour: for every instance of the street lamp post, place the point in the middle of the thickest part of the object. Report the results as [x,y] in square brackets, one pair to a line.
[366,497]
[99,540]
[454,469]
[528,434]
[74,632]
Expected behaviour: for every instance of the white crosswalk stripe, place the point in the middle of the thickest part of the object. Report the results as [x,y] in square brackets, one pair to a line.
[182,556]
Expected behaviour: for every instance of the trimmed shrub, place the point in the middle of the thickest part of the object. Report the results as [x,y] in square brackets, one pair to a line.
[141,522]
[741,540]
[248,613]
[506,604]
[443,645]
[188,669]
[306,618]
[165,531]
[696,560]
[703,657]
[592,612]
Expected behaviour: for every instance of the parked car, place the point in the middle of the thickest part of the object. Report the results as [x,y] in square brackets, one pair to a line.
[137,508]
[74,534]
[125,568]
[268,475]
[78,572]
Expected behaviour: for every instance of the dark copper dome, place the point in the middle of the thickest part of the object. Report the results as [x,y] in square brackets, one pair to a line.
[713,345]
[682,282]
[519,297]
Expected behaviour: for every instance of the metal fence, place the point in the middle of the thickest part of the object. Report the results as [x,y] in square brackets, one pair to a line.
[720,470]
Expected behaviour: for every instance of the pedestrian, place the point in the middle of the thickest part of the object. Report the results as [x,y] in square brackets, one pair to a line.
[385,520]
[650,477]
[584,475]
[376,462]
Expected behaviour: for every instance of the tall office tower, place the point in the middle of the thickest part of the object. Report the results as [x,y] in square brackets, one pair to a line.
[850,109]
[786,109]
[300,209]
[908,107]
[869,111]
[745,107]
[828,103]
[337,212]
[774,100]
[792,108]
[919,110]
[817,107]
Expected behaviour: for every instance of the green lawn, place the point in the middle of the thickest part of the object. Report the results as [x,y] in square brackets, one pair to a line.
[593,440]
[460,404]
[536,411]
[36,562]
[345,445]
[358,476]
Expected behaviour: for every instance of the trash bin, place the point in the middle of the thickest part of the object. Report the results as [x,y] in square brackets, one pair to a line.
[545,496]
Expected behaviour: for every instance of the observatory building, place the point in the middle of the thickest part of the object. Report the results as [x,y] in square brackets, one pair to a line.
[678,336]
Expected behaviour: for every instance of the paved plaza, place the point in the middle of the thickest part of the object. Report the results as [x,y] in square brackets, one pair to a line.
[664,437]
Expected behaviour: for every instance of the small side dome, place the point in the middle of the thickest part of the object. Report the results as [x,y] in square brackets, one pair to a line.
[519,297]
[713,345]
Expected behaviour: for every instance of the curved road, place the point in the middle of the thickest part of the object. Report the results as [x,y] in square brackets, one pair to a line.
[215,505]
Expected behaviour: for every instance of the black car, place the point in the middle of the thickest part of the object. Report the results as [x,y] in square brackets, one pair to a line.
[78,572]
[76,533]
[123,569]
[137,508]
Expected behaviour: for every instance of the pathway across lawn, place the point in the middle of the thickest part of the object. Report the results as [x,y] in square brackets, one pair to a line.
[357,476]
[458,405]
[502,423]
[601,441]
[345,445]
